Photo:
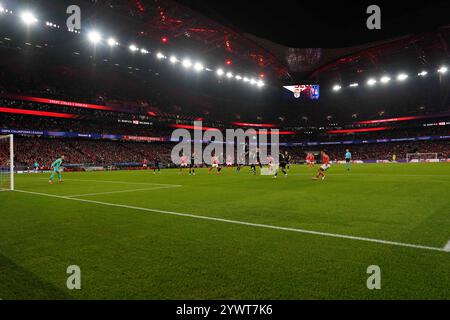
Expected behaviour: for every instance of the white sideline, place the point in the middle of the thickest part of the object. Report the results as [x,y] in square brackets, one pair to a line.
[121,191]
[334,235]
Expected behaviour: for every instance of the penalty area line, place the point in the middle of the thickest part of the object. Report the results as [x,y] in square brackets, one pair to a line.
[124,182]
[447,247]
[244,223]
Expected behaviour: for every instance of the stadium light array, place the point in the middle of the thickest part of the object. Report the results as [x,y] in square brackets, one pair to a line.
[28,18]
[385,79]
[337,87]
[402,77]
[371,82]
[94,37]
[443,69]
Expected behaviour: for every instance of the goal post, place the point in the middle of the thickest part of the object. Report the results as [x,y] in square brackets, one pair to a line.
[421,157]
[7,162]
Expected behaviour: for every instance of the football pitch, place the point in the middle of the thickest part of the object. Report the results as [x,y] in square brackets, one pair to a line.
[136,235]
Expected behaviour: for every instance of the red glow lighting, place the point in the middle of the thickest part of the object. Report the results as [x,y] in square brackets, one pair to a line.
[38,113]
[56,102]
[262,75]
[358,130]
[164,40]
[261,125]
[229,62]
[390,120]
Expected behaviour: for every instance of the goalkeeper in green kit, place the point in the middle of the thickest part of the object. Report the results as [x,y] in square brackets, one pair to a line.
[56,166]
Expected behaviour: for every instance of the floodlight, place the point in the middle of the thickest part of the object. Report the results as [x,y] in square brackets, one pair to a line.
[112,42]
[198,67]
[28,18]
[133,48]
[354,85]
[160,56]
[422,73]
[173,59]
[229,75]
[443,69]
[94,37]
[337,87]
[220,72]
[385,79]
[371,82]
[402,77]
[187,63]
[238,77]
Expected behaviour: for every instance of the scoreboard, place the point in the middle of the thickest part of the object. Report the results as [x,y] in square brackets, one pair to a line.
[301,92]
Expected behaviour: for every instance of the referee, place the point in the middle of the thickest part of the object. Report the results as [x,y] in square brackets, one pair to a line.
[348,159]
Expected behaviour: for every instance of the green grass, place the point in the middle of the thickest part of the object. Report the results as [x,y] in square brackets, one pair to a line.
[126,253]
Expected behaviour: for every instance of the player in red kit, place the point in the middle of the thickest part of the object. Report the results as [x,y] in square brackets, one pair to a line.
[215,164]
[183,163]
[310,160]
[324,167]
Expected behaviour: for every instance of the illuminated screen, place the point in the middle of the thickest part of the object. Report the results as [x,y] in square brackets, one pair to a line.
[301,92]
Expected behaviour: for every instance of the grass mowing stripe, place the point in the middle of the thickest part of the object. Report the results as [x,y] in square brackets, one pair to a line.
[121,191]
[334,235]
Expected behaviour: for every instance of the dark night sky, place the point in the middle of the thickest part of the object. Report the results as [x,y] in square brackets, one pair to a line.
[302,24]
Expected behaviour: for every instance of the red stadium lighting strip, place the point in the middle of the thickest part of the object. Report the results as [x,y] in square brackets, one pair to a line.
[359,130]
[260,125]
[278,133]
[57,102]
[390,120]
[39,113]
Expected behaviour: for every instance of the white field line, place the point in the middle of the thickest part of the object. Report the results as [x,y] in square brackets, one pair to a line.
[125,182]
[447,247]
[250,224]
[121,191]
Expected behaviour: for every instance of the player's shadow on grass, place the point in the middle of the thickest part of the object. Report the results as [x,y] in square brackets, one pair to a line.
[17,283]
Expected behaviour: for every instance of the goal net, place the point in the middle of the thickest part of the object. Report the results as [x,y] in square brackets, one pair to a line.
[422,157]
[6,163]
